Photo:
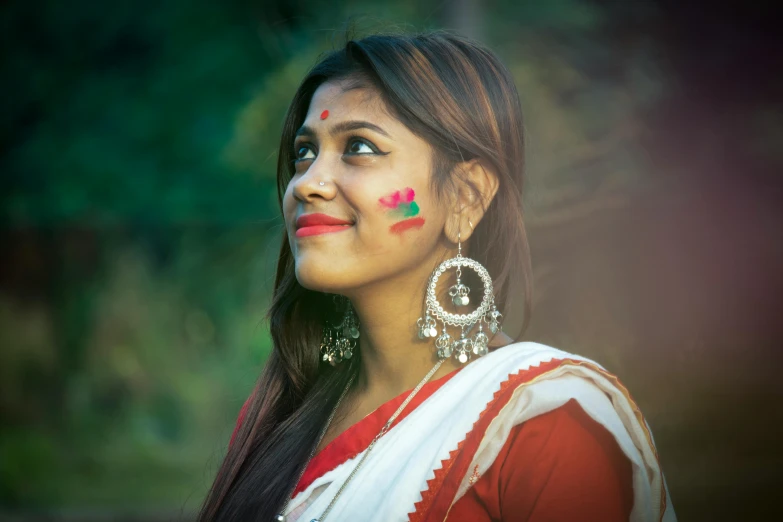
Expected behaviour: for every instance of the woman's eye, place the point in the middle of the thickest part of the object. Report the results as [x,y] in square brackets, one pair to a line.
[360,147]
[304,153]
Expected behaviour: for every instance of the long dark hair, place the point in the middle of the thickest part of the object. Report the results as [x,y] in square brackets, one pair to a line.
[456,95]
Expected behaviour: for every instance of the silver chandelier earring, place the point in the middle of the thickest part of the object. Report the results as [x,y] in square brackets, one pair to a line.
[339,341]
[486,313]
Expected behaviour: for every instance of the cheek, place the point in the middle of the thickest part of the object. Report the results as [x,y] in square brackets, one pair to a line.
[289,213]
[402,209]
[405,225]
[289,205]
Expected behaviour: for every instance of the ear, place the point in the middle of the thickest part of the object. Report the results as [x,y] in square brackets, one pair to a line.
[475,187]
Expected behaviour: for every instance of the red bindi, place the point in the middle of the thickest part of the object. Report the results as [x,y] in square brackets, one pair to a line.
[324,115]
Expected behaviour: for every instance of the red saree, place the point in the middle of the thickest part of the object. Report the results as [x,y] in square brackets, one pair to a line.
[560,465]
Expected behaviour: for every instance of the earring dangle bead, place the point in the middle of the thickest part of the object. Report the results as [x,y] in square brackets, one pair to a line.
[339,342]
[487,313]
[459,292]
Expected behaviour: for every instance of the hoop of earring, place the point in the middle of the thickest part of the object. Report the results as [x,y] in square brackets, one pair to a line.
[339,341]
[461,349]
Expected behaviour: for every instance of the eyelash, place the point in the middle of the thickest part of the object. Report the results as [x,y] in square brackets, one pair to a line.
[351,140]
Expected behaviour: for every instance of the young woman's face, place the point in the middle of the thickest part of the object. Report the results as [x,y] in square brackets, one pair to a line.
[359,209]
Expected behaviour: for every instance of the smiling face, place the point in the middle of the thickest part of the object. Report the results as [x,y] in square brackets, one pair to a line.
[360,208]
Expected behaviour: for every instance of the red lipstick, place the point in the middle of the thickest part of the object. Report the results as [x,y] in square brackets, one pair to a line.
[316,224]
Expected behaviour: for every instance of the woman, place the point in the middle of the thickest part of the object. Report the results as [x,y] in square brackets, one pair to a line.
[400,180]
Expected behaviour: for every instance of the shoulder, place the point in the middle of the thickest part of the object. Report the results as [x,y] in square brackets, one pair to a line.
[563,438]
[543,387]
[549,378]
[559,465]
[523,362]
[534,352]
[563,416]
[578,469]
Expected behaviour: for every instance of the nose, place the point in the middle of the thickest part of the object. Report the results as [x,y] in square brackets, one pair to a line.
[314,185]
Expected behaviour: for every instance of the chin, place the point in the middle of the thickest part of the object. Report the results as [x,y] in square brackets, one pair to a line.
[322,277]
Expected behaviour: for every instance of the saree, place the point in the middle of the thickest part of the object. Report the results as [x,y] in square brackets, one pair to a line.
[446,442]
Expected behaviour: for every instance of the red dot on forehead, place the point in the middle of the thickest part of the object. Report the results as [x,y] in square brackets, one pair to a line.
[324,115]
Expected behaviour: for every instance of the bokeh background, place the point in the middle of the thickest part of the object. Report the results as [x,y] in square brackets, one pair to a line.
[139,228]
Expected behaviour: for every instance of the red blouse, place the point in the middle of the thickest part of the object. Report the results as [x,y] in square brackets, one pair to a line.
[561,465]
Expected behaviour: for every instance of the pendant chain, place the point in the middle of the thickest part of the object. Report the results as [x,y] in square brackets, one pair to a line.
[383,431]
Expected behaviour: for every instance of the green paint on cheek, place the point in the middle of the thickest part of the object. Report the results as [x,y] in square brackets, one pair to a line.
[412,210]
[406,210]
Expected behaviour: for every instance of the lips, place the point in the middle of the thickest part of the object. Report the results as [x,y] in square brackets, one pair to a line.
[317,224]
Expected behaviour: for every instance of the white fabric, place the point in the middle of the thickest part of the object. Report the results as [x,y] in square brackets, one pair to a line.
[392,478]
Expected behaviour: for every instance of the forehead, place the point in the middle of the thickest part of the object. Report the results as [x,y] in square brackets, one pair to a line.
[364,103]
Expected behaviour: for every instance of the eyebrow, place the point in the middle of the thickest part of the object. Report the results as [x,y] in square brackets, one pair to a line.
[343,126]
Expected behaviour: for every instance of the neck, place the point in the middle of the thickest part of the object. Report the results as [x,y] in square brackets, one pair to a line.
[394,359]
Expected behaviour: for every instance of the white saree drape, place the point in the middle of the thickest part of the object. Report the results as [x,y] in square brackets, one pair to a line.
[427,462]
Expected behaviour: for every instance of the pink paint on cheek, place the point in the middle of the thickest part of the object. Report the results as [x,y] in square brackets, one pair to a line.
[324,115]
[390,201]
[394,199]
[408,224]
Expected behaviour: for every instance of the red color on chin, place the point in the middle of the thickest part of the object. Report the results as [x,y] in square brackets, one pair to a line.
[320,229]
[324,115]
[408,224]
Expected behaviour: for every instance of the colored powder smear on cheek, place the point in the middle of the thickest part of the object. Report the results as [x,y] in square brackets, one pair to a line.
[400,204]
[406,224]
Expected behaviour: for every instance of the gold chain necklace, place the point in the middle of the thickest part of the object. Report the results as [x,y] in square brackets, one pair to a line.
[386,427]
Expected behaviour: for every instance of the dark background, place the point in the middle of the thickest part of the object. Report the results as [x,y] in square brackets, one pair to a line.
[139,229]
